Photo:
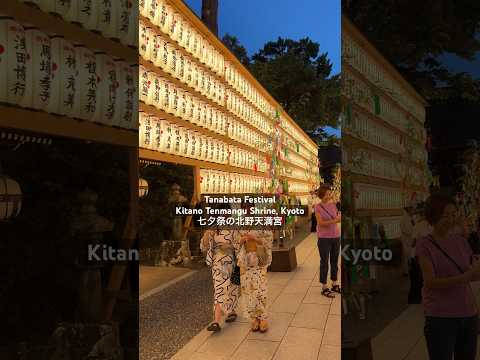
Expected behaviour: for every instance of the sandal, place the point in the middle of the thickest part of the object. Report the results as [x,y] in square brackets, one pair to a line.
[255,326]
[336,288]
[231,318]
[263,326]
[327,293]
[215,327]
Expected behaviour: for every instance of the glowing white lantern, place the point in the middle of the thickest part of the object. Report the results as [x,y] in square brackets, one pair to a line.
[157,87]
[195,77]
[171,59]
[196,108]
[200,147]
[87,89]
[174,103]
[188,76]
[209,123]
[108,88]
[180,67]
[186,143]
[85,12]
[174,26]
[127,96]
[181,103]
[163,16]
[145,131]
[142,188]
[178,139]
[107,18]
[188,107]
[158,134]
[206,149]
[152,10]
[194,43]
[127,22]
[63,77]
[214,120]
[145,85]
[169,138]
[15,65]
[143,6]
[181,31]
[145,41]
[193,144]
[166,96]
[10,198]
[187,37]
[156,49]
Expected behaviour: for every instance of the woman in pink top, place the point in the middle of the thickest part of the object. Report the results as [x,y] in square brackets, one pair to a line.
[451,318]
[328,233]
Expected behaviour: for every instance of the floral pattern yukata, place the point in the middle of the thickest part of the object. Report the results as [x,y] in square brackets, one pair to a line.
[220,247]
[254,278]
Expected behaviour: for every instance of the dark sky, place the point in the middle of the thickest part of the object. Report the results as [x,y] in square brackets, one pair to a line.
[255,22]
[457,64]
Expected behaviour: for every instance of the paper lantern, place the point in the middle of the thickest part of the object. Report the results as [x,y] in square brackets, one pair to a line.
[192,145]
[127,96]
[174,27]
[127,22]
[142,188]
[152,10]
[185,146]
[145,41]
[63,77]
[180,94]
[201,145]
[160,135]
[38,71]
[171,59]
[145,85]
[178,146]
[15,62]
[180,67]
[145,131]
[174,99]
[169,138]
[156,49]
[10,198]
[163,17]
[181,31]
[107,88]
[107,18]
[85,13]
[87,90]
[187,36]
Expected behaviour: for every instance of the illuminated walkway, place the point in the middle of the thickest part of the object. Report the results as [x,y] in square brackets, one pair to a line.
[304,325]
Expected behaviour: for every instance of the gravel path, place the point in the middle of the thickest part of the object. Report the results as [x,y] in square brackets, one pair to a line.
[169,319]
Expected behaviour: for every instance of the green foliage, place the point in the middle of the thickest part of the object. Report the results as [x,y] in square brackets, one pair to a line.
[233,44]
[298,77]
[414,34]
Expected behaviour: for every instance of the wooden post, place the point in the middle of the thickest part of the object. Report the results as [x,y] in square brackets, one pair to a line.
[129,235]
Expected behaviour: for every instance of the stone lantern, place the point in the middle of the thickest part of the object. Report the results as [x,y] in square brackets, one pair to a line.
[89,229]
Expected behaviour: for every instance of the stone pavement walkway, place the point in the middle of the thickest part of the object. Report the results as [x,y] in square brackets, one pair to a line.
[304,325]
[403,338]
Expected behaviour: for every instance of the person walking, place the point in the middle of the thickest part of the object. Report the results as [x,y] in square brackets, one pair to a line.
[254,257]
[220,247]
[328,234]
[445,257]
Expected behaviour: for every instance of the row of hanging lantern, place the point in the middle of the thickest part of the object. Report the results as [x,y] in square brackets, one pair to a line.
[168,57]
[115,19]
[374,197]
[164,136]
[298,187]
[220,182]
[374,72]
[172,99]
[50,74]
[179,30]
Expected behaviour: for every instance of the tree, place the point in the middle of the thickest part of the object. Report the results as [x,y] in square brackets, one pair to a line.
[210,14]
[413,34]
[233,44]
[299,78]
